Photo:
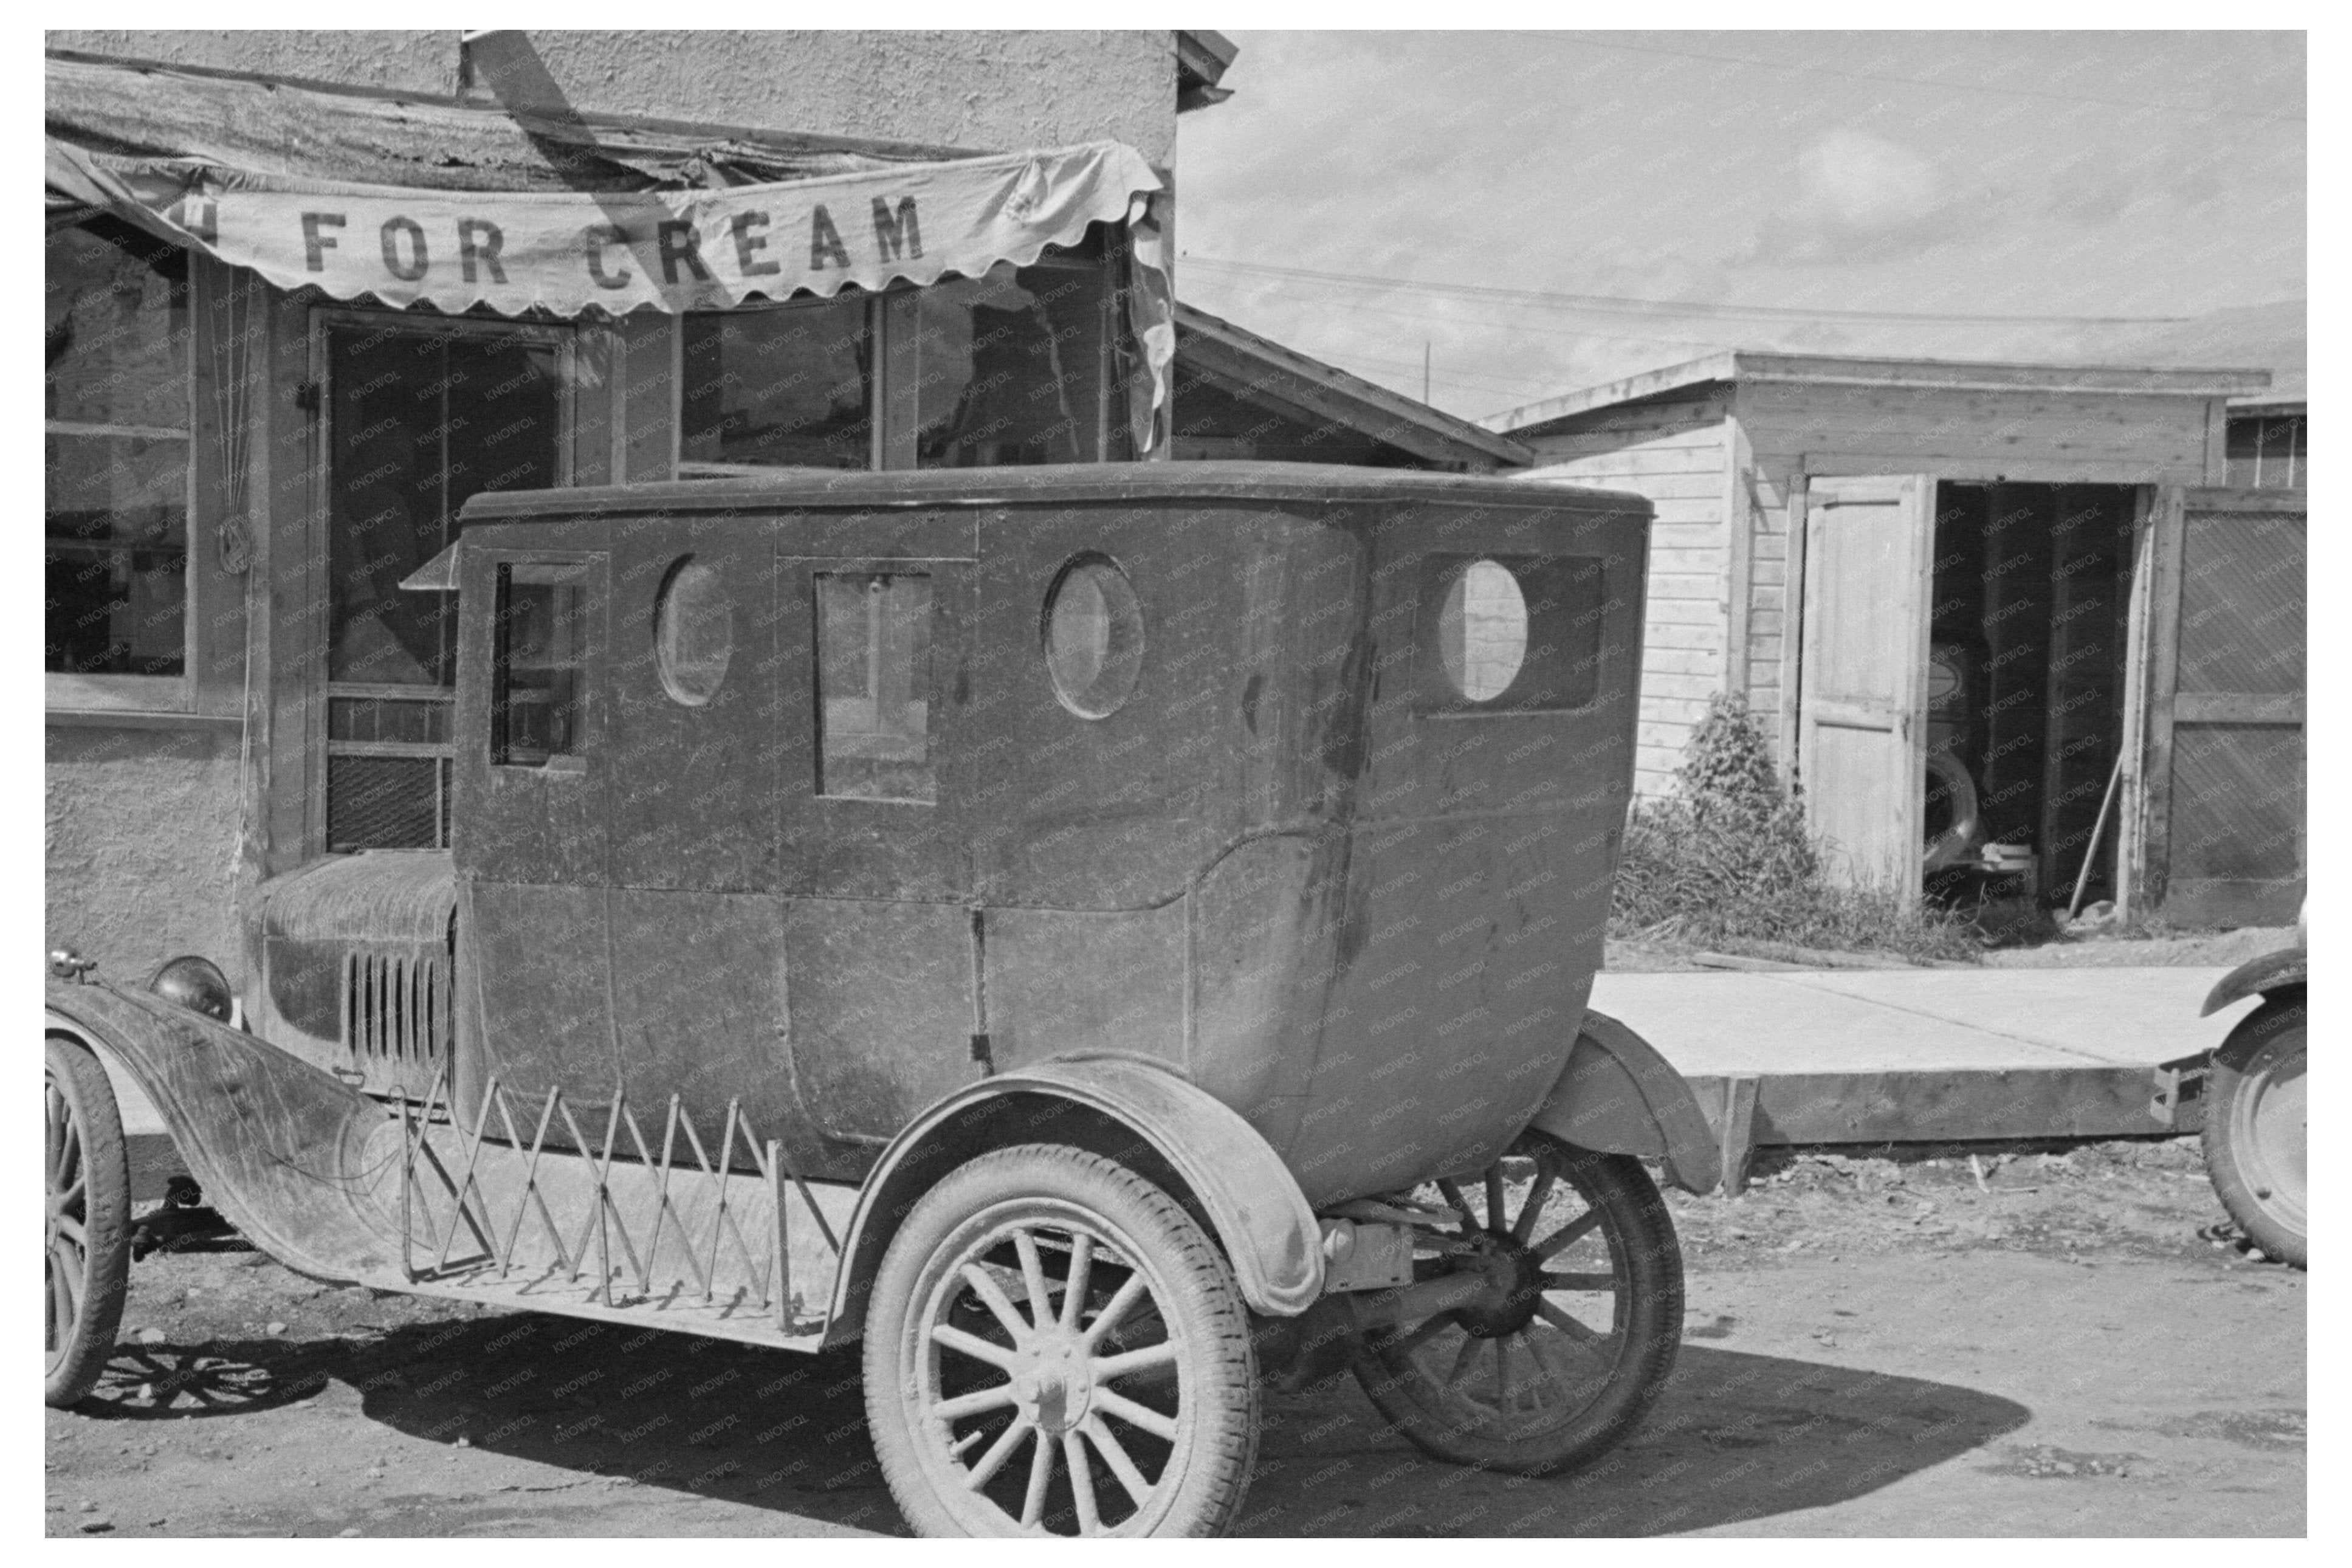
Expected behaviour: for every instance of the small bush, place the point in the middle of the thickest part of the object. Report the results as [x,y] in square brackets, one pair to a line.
[1726,859]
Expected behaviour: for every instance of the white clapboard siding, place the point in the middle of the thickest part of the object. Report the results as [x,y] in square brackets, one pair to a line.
[1784,418]
[1672,453]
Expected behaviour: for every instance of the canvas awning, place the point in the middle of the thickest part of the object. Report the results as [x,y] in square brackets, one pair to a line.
[636,237]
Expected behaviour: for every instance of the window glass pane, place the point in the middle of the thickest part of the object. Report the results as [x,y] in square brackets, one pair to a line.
[419,723]
[790,386]
[1482,631]
[117,321]
[2280,438]
[1512,633]
[1014,368]
[694,633]
[873,675]
[2245,440]
[1093,638]
[116,567]
[540,682]
[116,400]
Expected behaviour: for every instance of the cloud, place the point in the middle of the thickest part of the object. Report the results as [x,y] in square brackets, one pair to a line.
[1863,198]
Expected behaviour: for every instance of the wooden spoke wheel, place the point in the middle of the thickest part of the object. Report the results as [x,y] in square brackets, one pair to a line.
[2254,1131]
[1054,1347]
[87,1256]
[1577,1339]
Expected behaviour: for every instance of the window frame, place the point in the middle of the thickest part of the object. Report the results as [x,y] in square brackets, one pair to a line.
[65,694]
[922,677]
[1549,672]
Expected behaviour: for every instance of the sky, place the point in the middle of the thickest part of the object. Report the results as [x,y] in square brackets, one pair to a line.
[1834,187]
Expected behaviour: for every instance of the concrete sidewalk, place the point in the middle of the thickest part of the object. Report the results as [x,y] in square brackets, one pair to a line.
[1923,1054]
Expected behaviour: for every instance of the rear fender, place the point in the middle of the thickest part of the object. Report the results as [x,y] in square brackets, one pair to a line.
[1619,1096]
[1130,1110]
[276,1144]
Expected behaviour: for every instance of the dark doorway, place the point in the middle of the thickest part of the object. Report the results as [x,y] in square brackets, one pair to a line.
[2027,643]
[421,415]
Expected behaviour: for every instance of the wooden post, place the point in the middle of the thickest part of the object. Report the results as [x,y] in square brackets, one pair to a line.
[1739,570]
[1736,1131]
[2156,644]
[1793,623]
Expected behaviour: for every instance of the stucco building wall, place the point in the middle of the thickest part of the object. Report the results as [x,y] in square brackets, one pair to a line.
[141,836]
[997,91]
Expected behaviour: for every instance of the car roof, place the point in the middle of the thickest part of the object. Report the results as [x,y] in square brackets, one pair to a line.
[801,489]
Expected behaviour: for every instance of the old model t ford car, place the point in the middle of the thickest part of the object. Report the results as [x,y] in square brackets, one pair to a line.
[1097,934]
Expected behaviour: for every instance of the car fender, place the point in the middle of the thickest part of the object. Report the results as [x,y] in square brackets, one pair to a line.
[277,1145]
[2259,976]
[1619,1096]
[1247,1195]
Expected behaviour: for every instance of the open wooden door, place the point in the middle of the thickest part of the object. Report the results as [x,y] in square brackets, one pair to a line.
[2218,834]
[1862,703]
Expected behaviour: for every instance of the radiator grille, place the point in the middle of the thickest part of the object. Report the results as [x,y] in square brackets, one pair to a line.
[397,1012]
[387,803]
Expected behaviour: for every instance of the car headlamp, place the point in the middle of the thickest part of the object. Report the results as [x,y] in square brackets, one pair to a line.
[198,984]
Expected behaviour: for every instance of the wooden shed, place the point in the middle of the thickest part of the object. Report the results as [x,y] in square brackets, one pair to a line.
[2032,575]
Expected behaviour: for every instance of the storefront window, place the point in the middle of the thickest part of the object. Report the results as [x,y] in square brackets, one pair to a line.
[116,407]
[792,386]
[1016,368]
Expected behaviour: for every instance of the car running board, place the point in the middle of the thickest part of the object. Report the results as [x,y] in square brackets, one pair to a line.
[718,1238]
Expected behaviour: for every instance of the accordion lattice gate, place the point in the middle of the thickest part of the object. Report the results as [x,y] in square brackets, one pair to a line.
[718,1238]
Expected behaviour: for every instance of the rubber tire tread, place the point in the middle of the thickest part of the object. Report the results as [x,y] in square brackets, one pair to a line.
[1639,1212]
[1224,1356]
[2256,1045]
[106,1177]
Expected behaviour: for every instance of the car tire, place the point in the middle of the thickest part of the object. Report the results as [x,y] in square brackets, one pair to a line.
[2254,1131]
[87,1255]
[988,1391]
[1563,1390]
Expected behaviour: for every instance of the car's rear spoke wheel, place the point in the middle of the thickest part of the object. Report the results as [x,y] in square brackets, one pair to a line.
[1055,1347]
[1578,1331]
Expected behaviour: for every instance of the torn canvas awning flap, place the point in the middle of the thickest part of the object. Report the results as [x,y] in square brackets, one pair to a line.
[568,252]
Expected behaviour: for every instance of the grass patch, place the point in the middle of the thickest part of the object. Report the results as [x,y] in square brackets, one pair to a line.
[1725,860]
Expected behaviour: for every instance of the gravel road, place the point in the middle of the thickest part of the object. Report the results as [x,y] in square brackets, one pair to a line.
[2040,1343]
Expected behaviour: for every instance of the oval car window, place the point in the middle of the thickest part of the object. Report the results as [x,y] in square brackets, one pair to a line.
[1093,638]
[1482,631]
[694,633]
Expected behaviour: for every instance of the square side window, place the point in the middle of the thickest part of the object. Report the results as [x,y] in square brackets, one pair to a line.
[538,685]
[874,686]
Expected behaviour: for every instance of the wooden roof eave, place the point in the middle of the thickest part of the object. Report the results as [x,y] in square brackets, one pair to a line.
[1258,370]
[1916,374]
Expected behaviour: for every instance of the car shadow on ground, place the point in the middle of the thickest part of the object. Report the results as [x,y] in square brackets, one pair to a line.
[1736,1437]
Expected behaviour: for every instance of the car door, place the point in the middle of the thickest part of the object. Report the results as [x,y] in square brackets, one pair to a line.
[876,628]
[531,845]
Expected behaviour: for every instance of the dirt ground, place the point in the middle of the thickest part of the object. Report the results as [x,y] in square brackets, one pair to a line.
[2048,949]
[2038,1344]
